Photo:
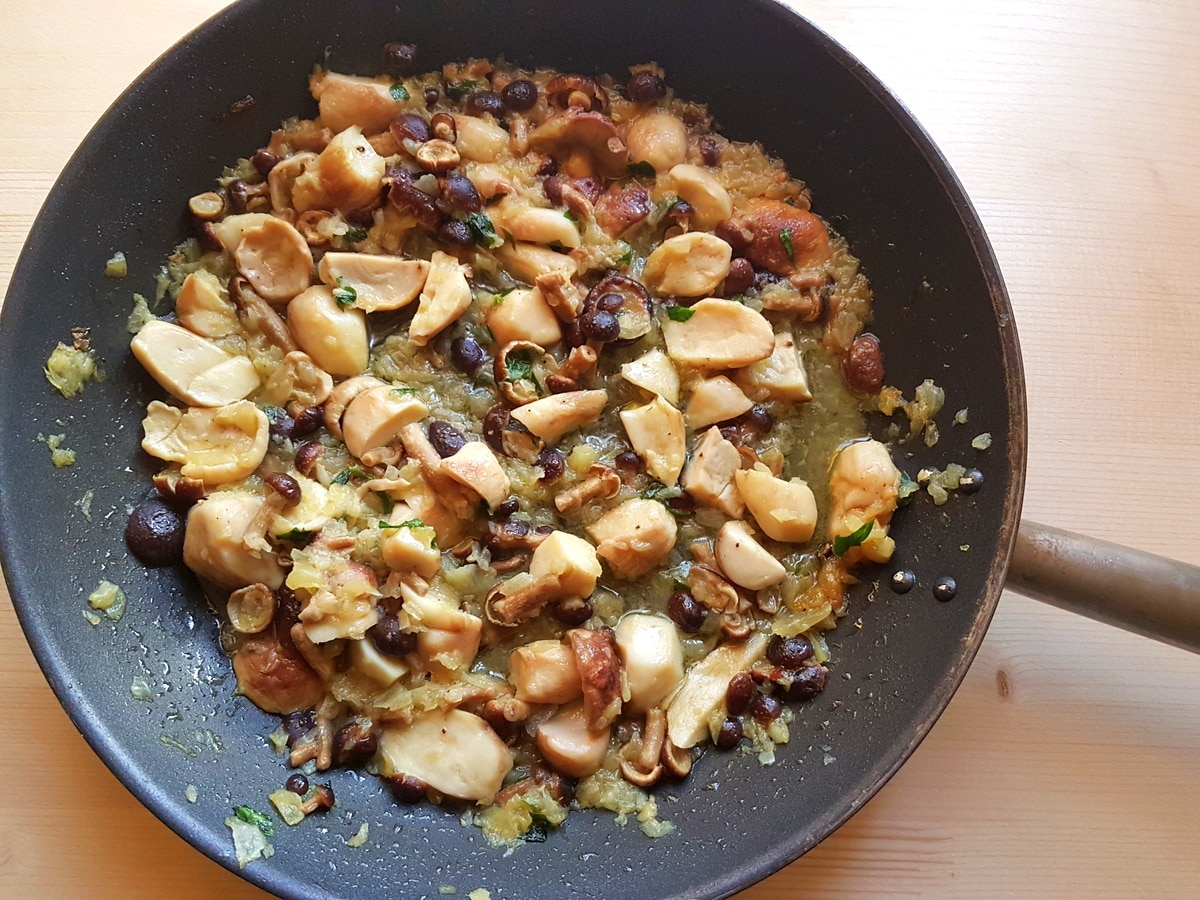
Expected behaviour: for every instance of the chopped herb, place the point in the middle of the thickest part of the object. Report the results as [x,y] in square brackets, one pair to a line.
[680,313]
[660,209]
[299,536]
[627,257]
[343,477]
[385,502]
[254,817]
[354,235]
[402,392]
[844,542]
[344,294]
[411,523]
[786,237]
[399,92]
[482,230]
[456,90]
[520,367]
[642,169]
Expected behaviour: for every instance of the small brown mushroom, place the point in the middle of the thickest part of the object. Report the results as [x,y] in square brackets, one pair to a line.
[458,499]
[207,207]
[601,482]
[576,92]
[521,603]
[257,315]
[275,676]
[646,768]
[437,156]
[562,294]
[177,488]
[600,674]
[321,799]
[780,238]
[516,369]
[677,760]
[622,208]
[511,535]
[576,129]
[539,776]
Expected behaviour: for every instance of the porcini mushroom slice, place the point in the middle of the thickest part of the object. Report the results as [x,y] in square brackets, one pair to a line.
[780,376]
[283,176]
[783,238]
[592,132]
[544,672]
[446,635]
[525,261]
[335,338]
[653,371]
[452,751]
[192,368]
[203,306]
[660,139]
[702,691]
[380,283]
[719,334]
[744,560]
[347,175]
[347,100]
[703,192]
[534,224]
[784,510]
[213,544]
[571,560]
[652,656]
[275,259]
[551,417]
[569,744]
[445,297]
[634,537]
[688,265]
[864,486]
[715,399]
[709,475]
[599,674]
[658,435]
[475,466]
[523,315]
[375,416]
[274,676]
[216,445]
[229,230]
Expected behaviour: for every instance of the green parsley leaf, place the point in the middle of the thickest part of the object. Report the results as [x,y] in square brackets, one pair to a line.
[354,235]
[385,502]
[411,523]
[399,92]
[570,216]
[255,818]
[482,230]
[786,237]
[627,257]
[844,542]
[456,90]
[402,392]
[343,477]
[642,169]
[344,294]
[680,313]
[520,367]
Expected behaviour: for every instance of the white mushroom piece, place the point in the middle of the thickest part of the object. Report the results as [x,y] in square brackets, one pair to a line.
[688,265]
[534,224]
[652,657]
[347,175]
[713,400]
[702,691]
[658,435]
[375,417]
[334,337]
[343,606]
[215,446]
[570,744]
[634,537]
[274,257]
[719,334]
[709,475]
[213,545]
[365,657]
[479,140]
[784,510]
[408,546]
[653,371]
[380,283]
[707,196]
[745,561]
[551,417]
[864,486]
[659,139]
[445,297]
[451,751]
[203,306]
[544,672]
[447,637]
[475,466]
[780,376]
[562,566]
[523,315]
[192,368]
[347,100]
[525,261]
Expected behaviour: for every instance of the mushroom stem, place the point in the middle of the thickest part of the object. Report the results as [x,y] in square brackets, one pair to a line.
[523,603]
[601,482]
[257,315]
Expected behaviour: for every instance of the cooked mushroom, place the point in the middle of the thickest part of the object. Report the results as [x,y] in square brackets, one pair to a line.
[380,283]
[568,743]
[714,591]
[659,139]
[347,176]
[781,376]
[591,132]
[375,417]
[599,674]
[215,445]
[551,417]
[365,657]
[744,560]
[626,300]
[702,691]
[703,193]
[229,230]
[634,537]
[192,368]
[622,208]
[335,337]
[451,751]
[213,547]
[520,369]
[203,306]
[344,606]
[652,656]
[273,675]
[676,760]
[708,476]
[713,400]
[864,486]
[480,140]
[688,265]
[570,560]
[251,608]
[525,261]
[447,637]
[520,598]
[561,293]
[257,316]
[544,672]
[444,490]
[659,436]
[283,177]
[476,467]
[781,238]
[445,297]
[600,482]
[646,768]
[348,100]
[437,156]
[654,372]
[570,90]
[784,510]
[408,547]
[534,224]
[523,315]
[719,334]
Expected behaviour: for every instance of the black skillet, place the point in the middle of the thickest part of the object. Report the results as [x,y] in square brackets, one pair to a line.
[766,74]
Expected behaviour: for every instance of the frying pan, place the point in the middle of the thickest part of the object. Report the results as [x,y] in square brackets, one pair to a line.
[832,136]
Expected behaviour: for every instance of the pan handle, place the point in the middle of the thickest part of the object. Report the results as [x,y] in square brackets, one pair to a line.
[1150,595]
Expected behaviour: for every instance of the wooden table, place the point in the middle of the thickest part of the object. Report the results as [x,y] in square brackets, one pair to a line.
[1067,765]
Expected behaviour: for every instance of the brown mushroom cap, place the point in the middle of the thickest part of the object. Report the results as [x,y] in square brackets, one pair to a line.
[575,128]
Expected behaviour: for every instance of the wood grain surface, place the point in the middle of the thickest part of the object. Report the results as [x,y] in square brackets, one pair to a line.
[1067,765]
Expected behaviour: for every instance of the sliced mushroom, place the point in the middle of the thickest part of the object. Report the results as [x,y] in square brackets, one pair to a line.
[334,337]
[599,674]
[652,655]
[634,537]
[347,176]
[600,483]
[702,691]
[451,751]
[380,283]
[215,445]
[622,208]
[551,417]
[375,417]
[520,598]
[781,238]
[447,637]
[688,265]
[744,560]
[479,140]
[229,230]
[569,559]
[524,315]
[445,297]
[645,769]
[365,657]
[709,475]
[568,743]
[658,435]
[572,90]
[283,176]
[203,306]
[525,261]
[713,400]
[659,139]
[703,192]
[344,606]
[591,132]
[544,672]
[274,677]
[192,368]
[781,376]
[520,369]
[784,510]
[257,316]
[719,334]
[444,490]
[297,382]
[213,546]
[534,224]
[475,466]
[627,300]
[654,372]
[864,486]
[411,548]
[348,100]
